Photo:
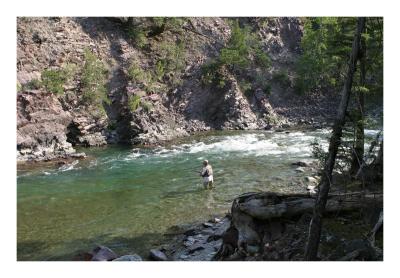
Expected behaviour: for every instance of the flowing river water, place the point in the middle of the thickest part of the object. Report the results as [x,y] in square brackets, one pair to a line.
[126,198]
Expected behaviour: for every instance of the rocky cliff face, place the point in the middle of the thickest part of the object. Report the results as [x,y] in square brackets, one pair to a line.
[49,126]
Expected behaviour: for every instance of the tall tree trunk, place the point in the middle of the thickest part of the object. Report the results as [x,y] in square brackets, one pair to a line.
[324,186]
[358,148]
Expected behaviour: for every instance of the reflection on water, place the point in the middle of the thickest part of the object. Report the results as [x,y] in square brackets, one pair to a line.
[126,198]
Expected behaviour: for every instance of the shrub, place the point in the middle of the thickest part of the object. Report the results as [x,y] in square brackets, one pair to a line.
[134,102]
[213,74]
[93,79]
[267,89]
[172,60]
[147,106]
[138,35]
[34,84]
[243,49]
[261,58]
[139,76]
[245,86]
[52,80]
[282,78]
[318,152]
[159,70]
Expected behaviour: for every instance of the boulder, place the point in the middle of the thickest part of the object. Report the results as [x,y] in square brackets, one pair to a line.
[300,163]
[311,180]
[207,225]
[158,255]
[300,170]
[103,253]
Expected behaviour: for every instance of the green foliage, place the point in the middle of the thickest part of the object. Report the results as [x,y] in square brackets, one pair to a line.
[138,35]
[134,102]
[214,74]
[52,80]
[267,89]
[159,70]
[140,32]
[168,23]
[171,60]
[261,58]
[326,46]
[34,84]
[147,106]
[318,152]
[245,86]
[93,80]
[138,75]
[243,51]
[282,78]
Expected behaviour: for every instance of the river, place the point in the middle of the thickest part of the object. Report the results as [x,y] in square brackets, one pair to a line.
[126,198]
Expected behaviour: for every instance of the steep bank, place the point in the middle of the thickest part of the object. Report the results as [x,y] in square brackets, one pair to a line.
[142,110]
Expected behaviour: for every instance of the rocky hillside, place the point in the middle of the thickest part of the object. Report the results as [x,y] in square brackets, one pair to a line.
[97,81]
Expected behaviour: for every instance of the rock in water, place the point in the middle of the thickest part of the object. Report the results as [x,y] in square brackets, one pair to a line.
[208,225]
[300,163]
[126,258]
[158,255]
[311,180]
[102,253]
[300,170]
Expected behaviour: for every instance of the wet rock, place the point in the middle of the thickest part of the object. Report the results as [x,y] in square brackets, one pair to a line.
[215,220]
[126,258]
[208,224]
[190,232]
[300,163]
[189,241]
[103,253]
[252,249]
[300,170]
[157,255]
[214,237]
[195,248]
[312,189]
[311,180]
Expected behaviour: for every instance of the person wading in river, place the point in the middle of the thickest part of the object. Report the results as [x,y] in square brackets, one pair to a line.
[207,174]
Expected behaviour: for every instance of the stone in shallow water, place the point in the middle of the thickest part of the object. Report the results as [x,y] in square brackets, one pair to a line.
[208,225]
[158,255]
[103,253]
[300,170]
[300,163]
[126,258]
[311,180]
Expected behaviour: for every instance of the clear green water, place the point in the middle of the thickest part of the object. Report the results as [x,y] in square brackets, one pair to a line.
[126,198]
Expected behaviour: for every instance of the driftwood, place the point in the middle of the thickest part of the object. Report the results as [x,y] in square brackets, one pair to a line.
[268,205]
[258,218]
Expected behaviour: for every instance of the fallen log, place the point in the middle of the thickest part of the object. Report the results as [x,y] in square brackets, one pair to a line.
[270,205]
[258,217]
